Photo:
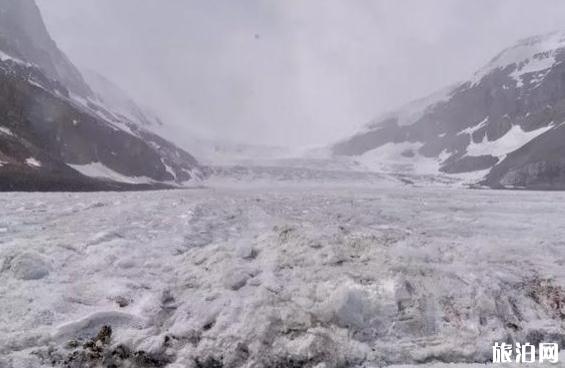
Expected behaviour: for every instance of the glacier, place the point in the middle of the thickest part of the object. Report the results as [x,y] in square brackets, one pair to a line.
[278,276]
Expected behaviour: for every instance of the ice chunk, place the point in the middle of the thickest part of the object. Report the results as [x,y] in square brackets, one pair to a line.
[29,266]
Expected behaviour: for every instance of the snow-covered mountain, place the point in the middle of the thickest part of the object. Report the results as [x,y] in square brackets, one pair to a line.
[503,127]
[57,133]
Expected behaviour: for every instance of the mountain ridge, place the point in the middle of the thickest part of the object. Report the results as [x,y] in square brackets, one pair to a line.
[481,123]
[23,35]
[57,134]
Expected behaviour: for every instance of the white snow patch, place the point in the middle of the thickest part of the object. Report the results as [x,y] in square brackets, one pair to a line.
[33,162]
[510,142]
[538,64]
[474,128]
[169,169]
[4,57]
[6,131]
[99,170]
[36,84]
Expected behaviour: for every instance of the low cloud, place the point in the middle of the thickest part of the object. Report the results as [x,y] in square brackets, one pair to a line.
[287,72]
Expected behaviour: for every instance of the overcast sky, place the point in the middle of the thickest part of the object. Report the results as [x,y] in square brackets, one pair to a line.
[288,72]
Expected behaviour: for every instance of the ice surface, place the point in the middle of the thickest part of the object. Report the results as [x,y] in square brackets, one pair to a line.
[400,157]
[278,276]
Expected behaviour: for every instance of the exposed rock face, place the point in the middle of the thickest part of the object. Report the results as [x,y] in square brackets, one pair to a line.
[55,134]
[506,119]
[539,164]
[23,35]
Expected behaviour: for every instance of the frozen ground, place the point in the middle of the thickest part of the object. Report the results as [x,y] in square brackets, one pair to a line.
[297,276]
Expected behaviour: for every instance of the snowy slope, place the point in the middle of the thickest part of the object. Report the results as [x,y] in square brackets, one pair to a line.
[481,124]
[532,55]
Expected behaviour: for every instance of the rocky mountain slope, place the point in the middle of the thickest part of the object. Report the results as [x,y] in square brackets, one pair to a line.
[57,134]
[503,126]
[23,35]
[116,99]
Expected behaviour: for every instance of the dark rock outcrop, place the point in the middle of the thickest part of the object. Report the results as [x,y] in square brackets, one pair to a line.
[23,35]
[52,125]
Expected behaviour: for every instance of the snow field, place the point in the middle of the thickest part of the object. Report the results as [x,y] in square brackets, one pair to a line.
[277,277]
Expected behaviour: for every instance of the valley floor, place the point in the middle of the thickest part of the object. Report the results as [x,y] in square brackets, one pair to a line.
[286,277]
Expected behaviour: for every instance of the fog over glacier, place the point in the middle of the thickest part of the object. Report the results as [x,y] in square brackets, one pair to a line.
[281,184]
[289,72]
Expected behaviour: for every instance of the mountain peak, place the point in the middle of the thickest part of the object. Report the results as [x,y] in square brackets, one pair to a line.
[505,125]
[529,55]
[55,134]
[24,36]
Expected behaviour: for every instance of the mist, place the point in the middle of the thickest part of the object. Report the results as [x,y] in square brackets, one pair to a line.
[254,193]
[289,73]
